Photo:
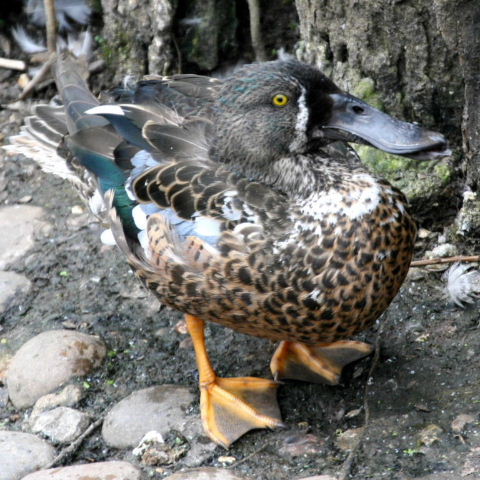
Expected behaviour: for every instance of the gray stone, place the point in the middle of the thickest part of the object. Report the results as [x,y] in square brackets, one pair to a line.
[19,224]
[67,397]
[62,424]
[206,473]
[160,408]
[22,453]
[49,360]
[11,283]
[90,471]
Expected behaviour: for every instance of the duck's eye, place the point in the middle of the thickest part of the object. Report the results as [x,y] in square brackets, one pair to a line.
[280,100]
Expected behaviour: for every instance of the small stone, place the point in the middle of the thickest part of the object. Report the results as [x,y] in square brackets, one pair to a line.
[429,435]
[25,199]
[300,445]
[62,424]
[22,453]
[11,284]
[353,413]
[67,397]
[160,408]
[461,421]
[77,210]
[443,250]
[423,233]
[227,459]
[49,360]
[23,80]
[348,439]
[154,450]
[206,473]
[91,471]
[19,224]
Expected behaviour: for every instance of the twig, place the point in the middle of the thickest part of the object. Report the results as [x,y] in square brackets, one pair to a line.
[39,77]
[347,464]
[51,21]
[434,261]
[12,64]
[74,445]
[255,31]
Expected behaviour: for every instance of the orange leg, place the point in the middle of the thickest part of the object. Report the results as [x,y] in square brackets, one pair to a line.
[316,363]
[231,407]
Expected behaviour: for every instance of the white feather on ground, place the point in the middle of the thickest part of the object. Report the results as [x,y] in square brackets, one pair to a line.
[463,284]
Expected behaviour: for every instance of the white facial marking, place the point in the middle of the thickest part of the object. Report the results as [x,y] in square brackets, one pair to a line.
[301,124]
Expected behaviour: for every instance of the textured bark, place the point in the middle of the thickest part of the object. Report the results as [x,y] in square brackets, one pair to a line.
[422,56]
[136,37]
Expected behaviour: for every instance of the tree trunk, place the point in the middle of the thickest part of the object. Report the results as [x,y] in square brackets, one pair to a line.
[419,60]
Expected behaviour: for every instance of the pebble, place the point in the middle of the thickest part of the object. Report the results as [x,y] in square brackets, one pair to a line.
[67,397]
[429,435]
[116,470]
[62,424]
[160,408]
[22,453]
[11,284]
[19,224]
[461,421]
[206,473]
[348,439]
[443,250]
[300,445]
[49,360]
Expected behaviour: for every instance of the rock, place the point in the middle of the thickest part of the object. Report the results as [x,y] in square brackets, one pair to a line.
[22,453]
[160,408]
[49,360]
[206,473]
[348,439]
[18,224]
[62,424]
[429,435]
[67,397]
[90,471]
[300,445]
[11,283]
[460,421]
[443,250]
[155,450]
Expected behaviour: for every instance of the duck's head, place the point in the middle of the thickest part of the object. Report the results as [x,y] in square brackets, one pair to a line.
[270,110]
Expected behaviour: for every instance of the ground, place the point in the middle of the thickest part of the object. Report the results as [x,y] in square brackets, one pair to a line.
[425,375]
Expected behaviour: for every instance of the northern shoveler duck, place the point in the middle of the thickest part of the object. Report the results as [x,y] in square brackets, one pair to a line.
[232,204]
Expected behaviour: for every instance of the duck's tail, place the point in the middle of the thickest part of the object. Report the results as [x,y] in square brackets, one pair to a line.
[68,142]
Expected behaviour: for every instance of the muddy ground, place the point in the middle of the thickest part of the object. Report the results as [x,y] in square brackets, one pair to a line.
[426,375]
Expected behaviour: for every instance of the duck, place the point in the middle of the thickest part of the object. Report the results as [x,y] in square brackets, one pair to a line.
[240,201]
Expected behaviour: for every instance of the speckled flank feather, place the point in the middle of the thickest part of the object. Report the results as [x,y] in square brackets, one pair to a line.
[243,213]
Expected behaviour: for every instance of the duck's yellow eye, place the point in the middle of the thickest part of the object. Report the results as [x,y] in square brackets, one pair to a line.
[280,100]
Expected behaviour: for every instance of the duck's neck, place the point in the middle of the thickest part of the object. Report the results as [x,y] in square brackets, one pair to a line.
[300,176]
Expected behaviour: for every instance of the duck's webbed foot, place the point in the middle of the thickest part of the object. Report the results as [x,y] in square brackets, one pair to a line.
[321,363]
[230,407]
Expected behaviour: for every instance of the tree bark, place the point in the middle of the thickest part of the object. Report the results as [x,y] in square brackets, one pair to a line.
[422,56]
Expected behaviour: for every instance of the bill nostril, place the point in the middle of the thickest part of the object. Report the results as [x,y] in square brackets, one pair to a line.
[358,110]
